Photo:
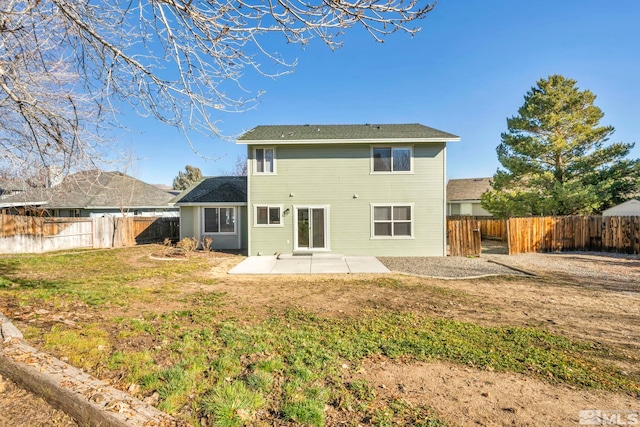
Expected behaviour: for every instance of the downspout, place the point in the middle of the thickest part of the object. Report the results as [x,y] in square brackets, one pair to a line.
[444,199]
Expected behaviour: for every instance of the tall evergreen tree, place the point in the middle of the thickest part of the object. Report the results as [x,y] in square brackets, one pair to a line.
[191,175]
[555,157]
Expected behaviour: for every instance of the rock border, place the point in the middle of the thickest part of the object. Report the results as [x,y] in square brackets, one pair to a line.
[85,398]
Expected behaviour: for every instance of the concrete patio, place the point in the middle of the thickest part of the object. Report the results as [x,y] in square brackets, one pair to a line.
[309,264]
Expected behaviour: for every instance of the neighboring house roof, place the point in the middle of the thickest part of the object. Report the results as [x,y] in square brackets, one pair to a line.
[628,208]
[340,133]
[215,189]
[467,189]
[94,189]
[12,185]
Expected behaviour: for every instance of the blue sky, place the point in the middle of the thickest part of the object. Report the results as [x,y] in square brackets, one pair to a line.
[464,73]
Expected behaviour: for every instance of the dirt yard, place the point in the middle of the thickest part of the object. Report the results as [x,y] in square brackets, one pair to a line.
[576,305]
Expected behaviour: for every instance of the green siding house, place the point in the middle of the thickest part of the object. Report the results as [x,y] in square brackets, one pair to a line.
[348,189]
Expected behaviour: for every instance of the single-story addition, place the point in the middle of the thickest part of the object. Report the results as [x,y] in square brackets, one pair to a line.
[347,189]
[463,196]
[215,207]
[628,208]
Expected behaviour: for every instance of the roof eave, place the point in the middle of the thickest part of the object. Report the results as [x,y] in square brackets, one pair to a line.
[343,141]
[193,204]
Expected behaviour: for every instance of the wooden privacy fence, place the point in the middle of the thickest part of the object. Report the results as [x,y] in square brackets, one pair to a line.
[574,233]
[463,237]
[25,234]
[493,229]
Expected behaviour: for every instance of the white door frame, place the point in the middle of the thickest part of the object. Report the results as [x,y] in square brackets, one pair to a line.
[326,247]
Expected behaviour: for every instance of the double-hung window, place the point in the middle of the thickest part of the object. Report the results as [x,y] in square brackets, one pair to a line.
[391,221]
[220,220]
[391,159]
[265,161]
[266,216]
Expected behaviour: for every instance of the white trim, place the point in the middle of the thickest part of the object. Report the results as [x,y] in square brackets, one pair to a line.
[327,246]
[391,172]
[345,141]
[255,162]
[392,205]
[224,233]
[268,206]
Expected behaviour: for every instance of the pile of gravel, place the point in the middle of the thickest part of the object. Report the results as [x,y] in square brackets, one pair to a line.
[448,267]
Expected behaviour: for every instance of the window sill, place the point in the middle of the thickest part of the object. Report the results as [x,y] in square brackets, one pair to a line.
[392,238]
[392,173]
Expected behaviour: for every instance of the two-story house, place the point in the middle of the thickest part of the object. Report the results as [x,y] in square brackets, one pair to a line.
[348,189]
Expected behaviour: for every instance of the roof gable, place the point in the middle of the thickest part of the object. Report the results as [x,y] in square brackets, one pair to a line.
[215,189]
[342,133]
[467,189]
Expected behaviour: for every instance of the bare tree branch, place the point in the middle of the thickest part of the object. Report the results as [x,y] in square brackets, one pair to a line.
[65,64]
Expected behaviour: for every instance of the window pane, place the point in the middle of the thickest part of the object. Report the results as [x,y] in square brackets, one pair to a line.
[227,220]
[382,229]
[211,220]
[259,160]
[402,229]
[402,213]
[402,159]
[382,159]
[274,215]
[303,228]
[268,160]
[382,213]
[261,215]
[317,216]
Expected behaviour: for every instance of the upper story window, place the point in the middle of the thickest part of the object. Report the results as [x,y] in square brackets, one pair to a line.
[391,159]
[219,220]
[265,161]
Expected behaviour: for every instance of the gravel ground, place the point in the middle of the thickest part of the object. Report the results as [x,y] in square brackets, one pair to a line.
[449,267]
[612,271]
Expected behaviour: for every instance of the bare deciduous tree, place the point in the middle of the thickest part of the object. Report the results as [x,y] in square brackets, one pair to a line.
[65,64]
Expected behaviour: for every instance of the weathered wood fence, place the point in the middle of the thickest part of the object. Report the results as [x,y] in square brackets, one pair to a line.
[575,233]
[493,229]
[26,234]
[463,237]
[546,234]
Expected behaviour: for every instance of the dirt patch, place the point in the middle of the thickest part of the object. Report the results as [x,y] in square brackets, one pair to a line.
[466,396]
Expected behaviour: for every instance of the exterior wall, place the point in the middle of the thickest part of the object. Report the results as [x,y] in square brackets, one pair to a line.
[478,210]
[339,176]
[466,208]
[191,225]
[628,208]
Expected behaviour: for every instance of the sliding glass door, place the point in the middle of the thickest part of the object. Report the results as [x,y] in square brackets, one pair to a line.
[310,228]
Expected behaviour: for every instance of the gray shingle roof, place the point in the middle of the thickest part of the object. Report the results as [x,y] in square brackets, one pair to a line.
[94,188]
[215,189]
[467,189]
[304,133]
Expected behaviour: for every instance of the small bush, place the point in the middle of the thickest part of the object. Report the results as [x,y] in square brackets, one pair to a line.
[188,244]
[207,243]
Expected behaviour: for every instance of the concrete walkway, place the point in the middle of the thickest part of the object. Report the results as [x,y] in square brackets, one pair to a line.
[309,264]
